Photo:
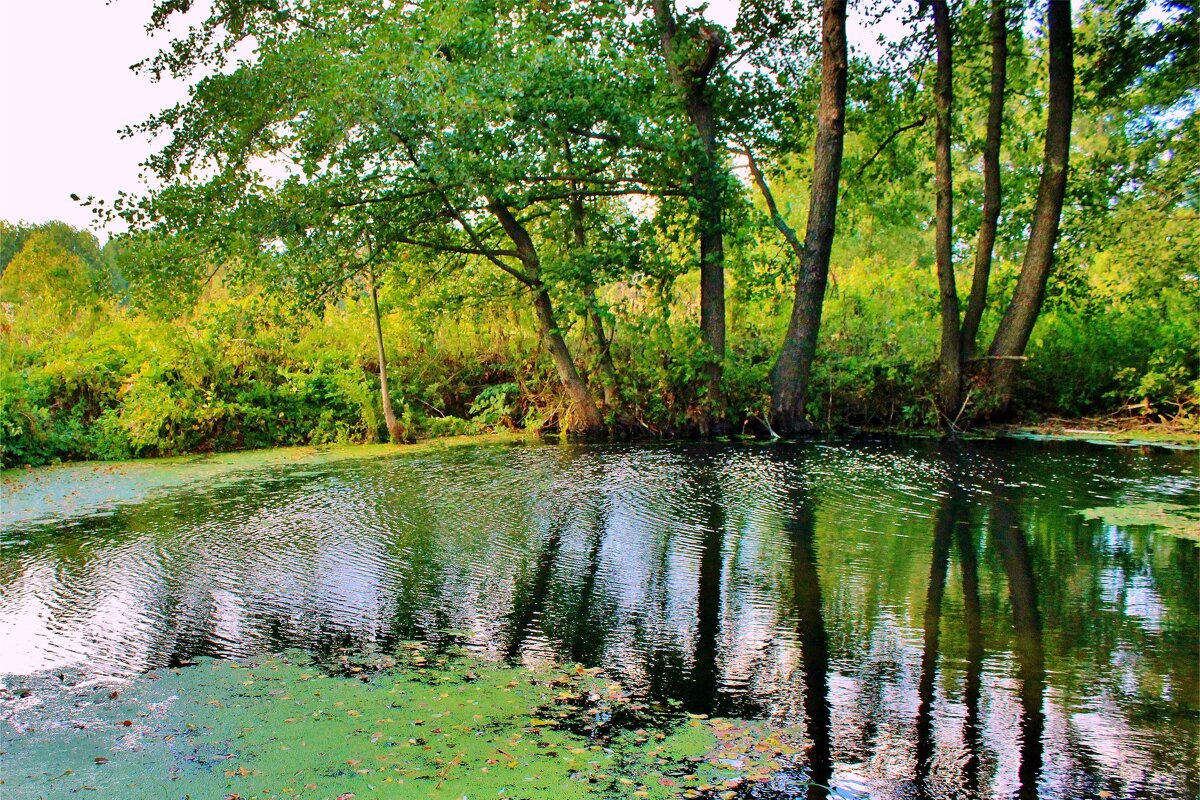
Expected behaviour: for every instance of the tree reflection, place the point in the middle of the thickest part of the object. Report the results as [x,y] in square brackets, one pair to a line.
[587,640]
[973,683]
[529,597]
[1027,622]
[703,686]
[949,516]
[814,645]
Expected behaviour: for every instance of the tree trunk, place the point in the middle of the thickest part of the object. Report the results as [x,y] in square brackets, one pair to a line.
[949,359]
[396,431]
[712,258]
[991,183]
[789,380]
[1017,326]
[691,79]
[608,372]
[586,417]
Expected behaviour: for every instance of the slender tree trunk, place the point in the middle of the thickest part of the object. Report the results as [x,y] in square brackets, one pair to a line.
[991,183]
[608,372]
[707,182]
[949,359]
[1017,326]
[396,431]
[789,380]
[586,417]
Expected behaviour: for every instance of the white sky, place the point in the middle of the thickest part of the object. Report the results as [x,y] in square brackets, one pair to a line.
[66,90]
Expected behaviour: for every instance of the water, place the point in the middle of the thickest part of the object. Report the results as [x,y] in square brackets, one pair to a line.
[991,619]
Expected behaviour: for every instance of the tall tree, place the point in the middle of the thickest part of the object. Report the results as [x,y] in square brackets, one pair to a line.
[600,339]
[1008,346]
[789,380]
[986,243]
[692,55]
[949,357]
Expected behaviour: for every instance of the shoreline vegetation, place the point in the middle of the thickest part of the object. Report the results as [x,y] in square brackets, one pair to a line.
[92,375]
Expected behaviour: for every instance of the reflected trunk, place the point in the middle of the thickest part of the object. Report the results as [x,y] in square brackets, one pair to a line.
[587,643]
[529,600]
[948,517]
[972,617]
[814,647]
[702,693]
[1027,621]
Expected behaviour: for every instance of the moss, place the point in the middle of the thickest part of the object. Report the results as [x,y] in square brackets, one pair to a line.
[1172,518]
[418,724]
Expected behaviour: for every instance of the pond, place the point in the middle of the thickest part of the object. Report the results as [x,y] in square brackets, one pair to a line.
[973,619]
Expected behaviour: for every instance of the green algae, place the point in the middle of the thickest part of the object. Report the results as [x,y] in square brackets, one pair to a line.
[1168,439]
[68,490]
[1172,518]
[420,725]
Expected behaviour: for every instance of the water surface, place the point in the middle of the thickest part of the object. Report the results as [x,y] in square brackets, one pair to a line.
[942,620]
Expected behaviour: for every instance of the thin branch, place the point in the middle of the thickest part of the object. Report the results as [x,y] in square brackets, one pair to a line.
[449,248]
[773,209]
[890,138]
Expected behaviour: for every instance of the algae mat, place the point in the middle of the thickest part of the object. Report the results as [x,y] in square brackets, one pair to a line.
[419,724]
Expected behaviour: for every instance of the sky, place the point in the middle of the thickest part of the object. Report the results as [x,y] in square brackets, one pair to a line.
[66,90]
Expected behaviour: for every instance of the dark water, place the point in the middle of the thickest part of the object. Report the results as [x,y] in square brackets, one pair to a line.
[944,621]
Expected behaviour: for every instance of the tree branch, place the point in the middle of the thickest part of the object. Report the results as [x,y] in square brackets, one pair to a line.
[773,209]
[890,138]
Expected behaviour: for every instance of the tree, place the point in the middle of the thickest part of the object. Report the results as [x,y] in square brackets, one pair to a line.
[1008,345]
[692,54]
[958,334]
[949,358]
[986,244]
[46,272]
[789,379]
